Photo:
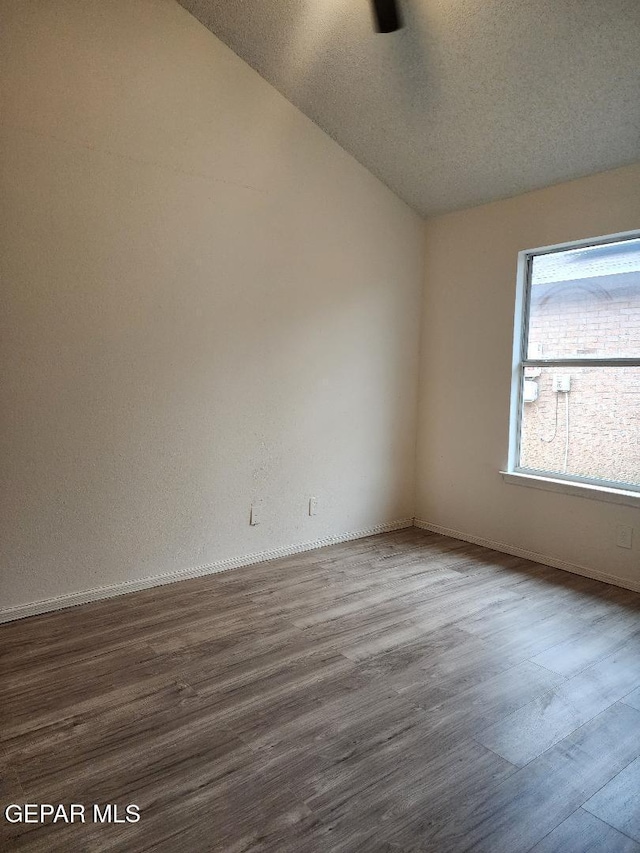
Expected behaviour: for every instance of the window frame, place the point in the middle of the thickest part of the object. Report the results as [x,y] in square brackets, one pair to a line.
[520,362]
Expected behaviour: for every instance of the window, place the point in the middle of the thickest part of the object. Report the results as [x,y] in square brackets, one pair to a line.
[575,412]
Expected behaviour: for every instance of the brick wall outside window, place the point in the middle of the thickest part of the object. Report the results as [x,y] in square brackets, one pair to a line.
[596,317]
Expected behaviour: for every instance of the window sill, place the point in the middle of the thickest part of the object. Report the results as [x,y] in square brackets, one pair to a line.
[566,487]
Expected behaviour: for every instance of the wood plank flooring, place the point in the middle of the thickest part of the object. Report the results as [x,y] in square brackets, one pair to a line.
[396,694]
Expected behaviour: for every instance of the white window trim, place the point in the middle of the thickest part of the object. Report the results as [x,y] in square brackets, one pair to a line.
[572,487]
[606,490]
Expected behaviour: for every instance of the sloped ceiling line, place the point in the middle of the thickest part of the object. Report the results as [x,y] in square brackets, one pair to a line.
[471,101]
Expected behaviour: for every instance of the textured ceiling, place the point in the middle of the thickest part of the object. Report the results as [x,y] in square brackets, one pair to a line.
[473,100]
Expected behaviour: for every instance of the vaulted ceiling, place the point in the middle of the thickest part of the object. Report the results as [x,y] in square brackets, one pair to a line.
[472,101]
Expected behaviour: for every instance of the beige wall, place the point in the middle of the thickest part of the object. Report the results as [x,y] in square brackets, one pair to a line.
[205,302]
[466,374]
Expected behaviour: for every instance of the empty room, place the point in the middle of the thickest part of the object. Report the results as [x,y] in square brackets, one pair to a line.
[320,419]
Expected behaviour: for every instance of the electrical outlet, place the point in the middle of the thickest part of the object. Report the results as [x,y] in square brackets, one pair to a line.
[255,515]
[624,536]
[313,506]
[562,382]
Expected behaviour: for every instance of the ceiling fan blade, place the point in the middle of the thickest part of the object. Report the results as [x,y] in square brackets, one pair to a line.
[387,15]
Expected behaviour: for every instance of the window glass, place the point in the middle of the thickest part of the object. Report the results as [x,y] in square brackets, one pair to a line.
[582,421]
[586,303]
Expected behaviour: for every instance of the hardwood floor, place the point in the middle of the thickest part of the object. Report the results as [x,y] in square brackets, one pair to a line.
[405,692]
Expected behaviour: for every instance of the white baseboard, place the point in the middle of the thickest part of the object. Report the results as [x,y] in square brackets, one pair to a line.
[74,598]
[554,562]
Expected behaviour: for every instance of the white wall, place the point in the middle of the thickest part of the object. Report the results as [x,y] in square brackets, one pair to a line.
[466,373]
[205,302]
